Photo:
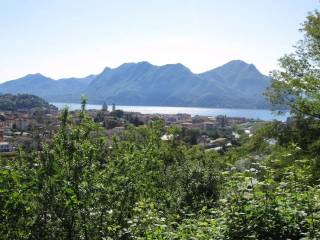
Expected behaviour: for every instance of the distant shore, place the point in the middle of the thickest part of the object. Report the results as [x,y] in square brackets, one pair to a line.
[261,114]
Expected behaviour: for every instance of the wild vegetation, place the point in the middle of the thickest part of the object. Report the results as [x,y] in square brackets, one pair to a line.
[10,102]
[136,186]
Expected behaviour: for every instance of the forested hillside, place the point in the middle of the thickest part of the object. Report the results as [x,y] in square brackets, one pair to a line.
[9,102]
[83,185]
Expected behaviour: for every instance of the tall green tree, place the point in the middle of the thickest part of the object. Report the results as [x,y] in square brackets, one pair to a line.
[297,85]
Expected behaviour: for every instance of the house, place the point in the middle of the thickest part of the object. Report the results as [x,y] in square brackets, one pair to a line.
[23,123]
[6,147]
[6,121]
[188,125]
[209,125]
[237,120]
[177,118]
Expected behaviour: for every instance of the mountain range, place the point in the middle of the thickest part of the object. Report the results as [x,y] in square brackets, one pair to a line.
[235,84]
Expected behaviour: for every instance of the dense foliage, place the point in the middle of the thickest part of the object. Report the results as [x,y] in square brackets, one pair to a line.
[9,102]
[137,186]
[81,186]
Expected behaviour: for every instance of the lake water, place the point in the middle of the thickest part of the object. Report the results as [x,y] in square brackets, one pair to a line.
[261,114]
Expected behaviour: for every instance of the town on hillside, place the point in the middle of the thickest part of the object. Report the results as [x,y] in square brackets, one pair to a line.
[29,128]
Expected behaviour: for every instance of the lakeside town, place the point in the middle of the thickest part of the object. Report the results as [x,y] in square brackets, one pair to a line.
[30,128]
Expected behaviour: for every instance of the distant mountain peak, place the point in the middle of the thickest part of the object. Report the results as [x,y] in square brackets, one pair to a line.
[144,63]
[176,67]
[235,67]
[105,70]
[179,65]
[38,75]
[134,65]
[252,67]
[234,84]
[237,62]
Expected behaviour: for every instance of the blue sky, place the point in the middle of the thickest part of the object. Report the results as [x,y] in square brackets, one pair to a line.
[64,38]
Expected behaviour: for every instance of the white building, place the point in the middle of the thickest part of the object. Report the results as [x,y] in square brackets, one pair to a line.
[5,147]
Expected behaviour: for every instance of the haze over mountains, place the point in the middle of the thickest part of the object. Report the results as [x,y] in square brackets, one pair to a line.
[235,84]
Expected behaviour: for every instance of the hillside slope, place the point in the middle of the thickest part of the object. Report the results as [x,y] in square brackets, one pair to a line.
[235,84]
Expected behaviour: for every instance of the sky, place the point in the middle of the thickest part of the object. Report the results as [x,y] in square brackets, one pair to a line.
[75,38]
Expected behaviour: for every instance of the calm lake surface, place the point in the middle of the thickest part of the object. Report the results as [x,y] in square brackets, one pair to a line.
[261,114]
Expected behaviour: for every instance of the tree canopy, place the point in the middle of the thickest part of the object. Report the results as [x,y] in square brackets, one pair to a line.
[296,86]
[9,102]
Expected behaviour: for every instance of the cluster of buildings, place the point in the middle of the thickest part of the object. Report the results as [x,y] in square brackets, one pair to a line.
[202,122]
[22,127]
[183,120]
